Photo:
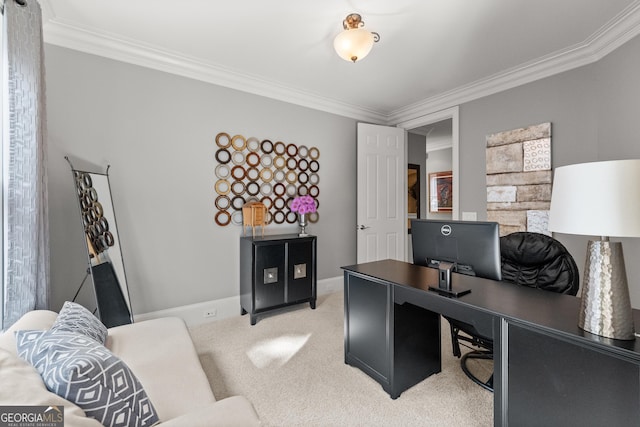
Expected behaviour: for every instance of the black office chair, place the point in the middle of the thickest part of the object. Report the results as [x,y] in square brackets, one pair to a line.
[528,259]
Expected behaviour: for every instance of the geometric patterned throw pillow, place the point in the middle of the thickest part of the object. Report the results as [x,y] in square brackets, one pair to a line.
[86,373]
[75,318]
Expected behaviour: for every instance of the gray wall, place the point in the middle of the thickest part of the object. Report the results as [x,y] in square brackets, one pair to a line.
[594,114]
[157,131]
[416,154]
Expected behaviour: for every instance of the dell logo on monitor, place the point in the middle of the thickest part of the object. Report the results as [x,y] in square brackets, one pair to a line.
[445,230]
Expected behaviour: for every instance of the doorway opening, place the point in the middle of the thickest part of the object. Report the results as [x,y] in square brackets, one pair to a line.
[432,144]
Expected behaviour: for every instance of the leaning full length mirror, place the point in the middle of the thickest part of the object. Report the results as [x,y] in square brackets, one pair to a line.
[106,266]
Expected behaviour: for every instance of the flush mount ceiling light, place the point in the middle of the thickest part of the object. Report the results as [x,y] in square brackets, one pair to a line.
[354,43]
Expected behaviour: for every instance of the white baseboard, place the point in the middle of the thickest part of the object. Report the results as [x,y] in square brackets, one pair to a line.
[328,286]
[194,314]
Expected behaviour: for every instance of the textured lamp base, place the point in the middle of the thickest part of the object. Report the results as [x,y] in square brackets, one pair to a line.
[606,306]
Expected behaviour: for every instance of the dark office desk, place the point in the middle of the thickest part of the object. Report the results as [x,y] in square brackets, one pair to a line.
[547,371]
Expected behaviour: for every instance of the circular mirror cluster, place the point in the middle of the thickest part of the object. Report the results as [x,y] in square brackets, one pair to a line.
[273,173]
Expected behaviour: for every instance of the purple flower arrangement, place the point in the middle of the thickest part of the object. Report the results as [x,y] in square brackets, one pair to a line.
[303,205]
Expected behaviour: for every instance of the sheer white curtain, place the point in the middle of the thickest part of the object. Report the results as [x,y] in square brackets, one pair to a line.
[25,216]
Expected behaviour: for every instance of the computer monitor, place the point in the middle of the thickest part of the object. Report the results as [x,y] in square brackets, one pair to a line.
[472,247]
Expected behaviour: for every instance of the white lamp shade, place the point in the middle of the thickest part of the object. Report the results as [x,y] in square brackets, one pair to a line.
[597,199]
[353,45]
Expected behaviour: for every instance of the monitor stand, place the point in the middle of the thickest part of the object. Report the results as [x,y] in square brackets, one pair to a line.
[444,281]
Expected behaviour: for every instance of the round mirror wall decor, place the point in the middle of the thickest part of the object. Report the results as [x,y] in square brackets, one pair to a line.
[303,178]
[266,200]
[279,203]
[266,146]
[237,188]
[223,156]
[279,189]
[266,189]
[223,218]
[238,202]
[253,188]
[279,217]
[238,158]
[236,218]
[266,160]
[279,162]
[292,150]
[253,144]
[279,176]
[223,203]
[253,174]
[253,159]
[222,187]
[223,171]
[238,173]
[223,140]
[292,163]
[292,217]
[279,148]
[238,143]
[247,169]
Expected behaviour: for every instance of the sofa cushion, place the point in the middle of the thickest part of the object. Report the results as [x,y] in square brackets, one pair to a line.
[75,318]
[34,320]
[234,411]
[174,381]
[20,384]
[86,373]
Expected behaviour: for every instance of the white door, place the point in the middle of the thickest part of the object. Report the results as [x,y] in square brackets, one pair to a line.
[381,193]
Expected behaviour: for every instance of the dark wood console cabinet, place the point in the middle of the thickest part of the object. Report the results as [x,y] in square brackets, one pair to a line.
[276,271]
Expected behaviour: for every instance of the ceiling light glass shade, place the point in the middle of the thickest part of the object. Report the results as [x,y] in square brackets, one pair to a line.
[354,44]
[597,199]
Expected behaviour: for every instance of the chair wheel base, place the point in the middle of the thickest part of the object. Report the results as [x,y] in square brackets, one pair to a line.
[477,354]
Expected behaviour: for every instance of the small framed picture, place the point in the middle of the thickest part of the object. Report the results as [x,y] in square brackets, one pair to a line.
[413,195]
[441,191]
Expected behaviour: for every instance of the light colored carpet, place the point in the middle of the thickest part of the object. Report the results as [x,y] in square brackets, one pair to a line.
[290,365]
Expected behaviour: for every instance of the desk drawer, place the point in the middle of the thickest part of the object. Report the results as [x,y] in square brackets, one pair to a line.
[448,307]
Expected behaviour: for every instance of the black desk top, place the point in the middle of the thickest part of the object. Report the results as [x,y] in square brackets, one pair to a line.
[556,312]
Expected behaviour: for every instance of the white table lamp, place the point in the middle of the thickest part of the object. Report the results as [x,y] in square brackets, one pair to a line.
[600,199]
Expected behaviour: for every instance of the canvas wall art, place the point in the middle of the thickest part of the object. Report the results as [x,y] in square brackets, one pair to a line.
[519,179]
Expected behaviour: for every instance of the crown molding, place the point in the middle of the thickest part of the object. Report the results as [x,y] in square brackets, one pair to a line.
[615,33]
[57,32]
[438,145]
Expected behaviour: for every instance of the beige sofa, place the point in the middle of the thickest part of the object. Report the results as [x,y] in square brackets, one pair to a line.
[161,355]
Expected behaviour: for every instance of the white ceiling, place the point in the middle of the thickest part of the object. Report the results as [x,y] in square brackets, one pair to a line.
[432,54]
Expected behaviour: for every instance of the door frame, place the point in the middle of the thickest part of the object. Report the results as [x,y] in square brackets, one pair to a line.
[449,113]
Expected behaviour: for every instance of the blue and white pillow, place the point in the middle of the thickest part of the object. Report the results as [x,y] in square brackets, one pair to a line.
[75,318]
[86,373]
